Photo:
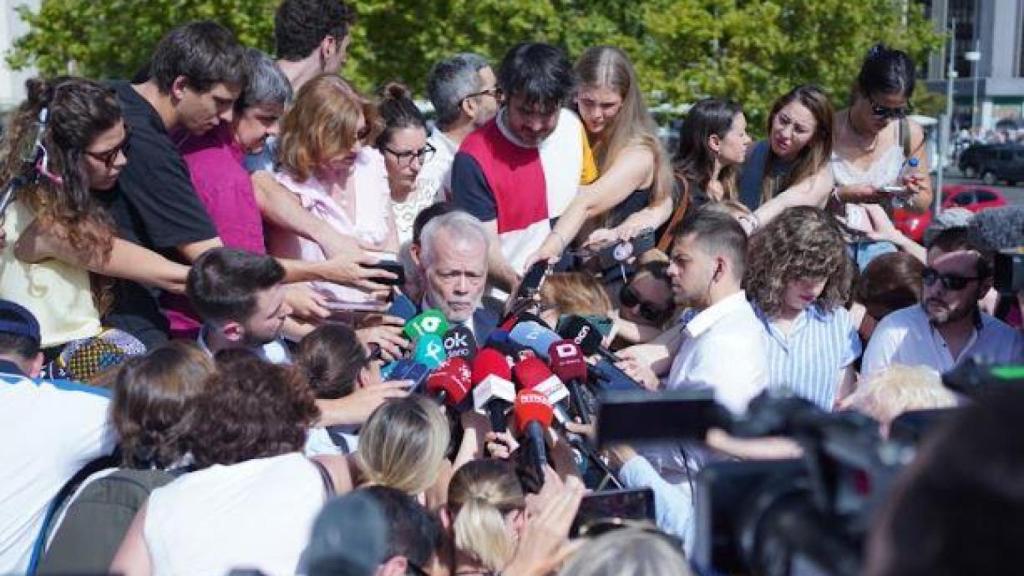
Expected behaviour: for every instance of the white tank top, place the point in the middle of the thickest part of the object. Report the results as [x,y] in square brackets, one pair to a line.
[256,514]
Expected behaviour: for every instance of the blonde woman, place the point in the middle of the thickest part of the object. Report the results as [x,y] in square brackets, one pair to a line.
[628,552]
[635,169]
[485,515]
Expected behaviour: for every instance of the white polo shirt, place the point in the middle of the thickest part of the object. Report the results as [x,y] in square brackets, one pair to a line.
[723,349]
[907,337]
[48,431]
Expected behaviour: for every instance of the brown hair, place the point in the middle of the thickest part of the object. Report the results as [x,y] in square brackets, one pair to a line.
[331,358]
[633,126]
[251,409]
[322,123]
[814,155]
[803,242]
[694,160]
[890,281]
[575,293]
[154,402]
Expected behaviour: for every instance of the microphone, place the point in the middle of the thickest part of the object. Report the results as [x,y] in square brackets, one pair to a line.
[534,374]
[997,228]
[535,337]
[502,342]
[588,338]
[493,391]
[450,382]
[510,322]
[429,351]
[430,321]
[460,343]
[568,363]
[533,417]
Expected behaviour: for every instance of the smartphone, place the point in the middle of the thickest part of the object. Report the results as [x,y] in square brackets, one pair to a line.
[630,504]
[619,253]
[894,189]
[533,279]
[642,415]
[415,372]
[402,307]
[390,266]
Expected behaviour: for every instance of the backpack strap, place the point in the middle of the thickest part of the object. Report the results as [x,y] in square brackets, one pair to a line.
[325,477]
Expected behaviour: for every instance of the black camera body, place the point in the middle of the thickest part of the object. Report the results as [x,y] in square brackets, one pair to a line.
[1008,271]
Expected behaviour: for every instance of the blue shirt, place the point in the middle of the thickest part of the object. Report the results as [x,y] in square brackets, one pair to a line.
[809,360]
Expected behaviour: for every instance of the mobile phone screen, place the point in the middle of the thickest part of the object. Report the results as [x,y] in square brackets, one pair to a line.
[631,504]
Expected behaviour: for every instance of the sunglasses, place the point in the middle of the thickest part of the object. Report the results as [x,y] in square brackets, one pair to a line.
[109,157]
[629,299]
[885,112]
[950,282]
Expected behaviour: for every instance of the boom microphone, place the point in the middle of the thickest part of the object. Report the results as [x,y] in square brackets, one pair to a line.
[450,382]
[533,417]
[493,391]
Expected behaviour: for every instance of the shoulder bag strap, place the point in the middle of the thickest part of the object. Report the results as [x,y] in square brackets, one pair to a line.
[665,242]
[325,477]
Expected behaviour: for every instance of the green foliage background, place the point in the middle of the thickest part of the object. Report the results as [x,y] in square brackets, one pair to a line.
[749,50]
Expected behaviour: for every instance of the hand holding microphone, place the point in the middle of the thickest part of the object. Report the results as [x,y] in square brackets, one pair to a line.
[533,417]
[450,382]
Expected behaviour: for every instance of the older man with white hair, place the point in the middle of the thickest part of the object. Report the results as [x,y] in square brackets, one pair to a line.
[452,261]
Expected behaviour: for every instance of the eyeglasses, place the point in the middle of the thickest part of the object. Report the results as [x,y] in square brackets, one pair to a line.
[949,281]
[493,92]
[109,157]
[629,298]
[405,158]
[880,111]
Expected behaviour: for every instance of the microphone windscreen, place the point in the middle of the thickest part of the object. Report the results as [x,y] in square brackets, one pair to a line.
[430,321]
[429,351]
[452,377]
[532,406]
[487,362]
[460,343]
[583,333]
[535,337]
[997,228]
[529,372]
[567,361]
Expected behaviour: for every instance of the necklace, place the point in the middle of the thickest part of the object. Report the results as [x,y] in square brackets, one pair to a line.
[857,135]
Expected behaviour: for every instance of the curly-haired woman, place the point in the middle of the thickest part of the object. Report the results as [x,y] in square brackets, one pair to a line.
[798,277]
[254,501]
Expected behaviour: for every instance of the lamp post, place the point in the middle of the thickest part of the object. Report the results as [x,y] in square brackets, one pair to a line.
[945,126]
[974,57]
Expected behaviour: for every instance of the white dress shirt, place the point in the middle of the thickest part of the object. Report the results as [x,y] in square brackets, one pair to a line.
[907,337]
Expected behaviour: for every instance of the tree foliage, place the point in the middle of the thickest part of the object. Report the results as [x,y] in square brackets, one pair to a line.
[749,50]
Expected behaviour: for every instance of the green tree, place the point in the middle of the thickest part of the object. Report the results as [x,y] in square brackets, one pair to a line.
[749,50]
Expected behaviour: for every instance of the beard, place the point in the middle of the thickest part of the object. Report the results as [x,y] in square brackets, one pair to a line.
[939,313]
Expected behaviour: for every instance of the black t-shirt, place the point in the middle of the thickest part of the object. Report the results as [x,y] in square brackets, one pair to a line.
[154,205]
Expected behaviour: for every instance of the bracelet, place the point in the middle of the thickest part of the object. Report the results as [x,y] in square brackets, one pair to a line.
[560,239]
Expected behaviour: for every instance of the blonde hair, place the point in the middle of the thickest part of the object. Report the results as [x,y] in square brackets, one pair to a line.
[898,389]
[324,123]
[627,552]
[633,125]
[479,495]
[575,293]
[403,444]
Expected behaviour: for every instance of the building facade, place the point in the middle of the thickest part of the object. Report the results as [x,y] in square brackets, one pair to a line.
[12,82]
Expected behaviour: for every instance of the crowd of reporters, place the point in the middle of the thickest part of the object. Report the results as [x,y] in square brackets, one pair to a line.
[251,319]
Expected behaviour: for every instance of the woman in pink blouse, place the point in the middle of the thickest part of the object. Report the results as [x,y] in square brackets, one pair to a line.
[323,161]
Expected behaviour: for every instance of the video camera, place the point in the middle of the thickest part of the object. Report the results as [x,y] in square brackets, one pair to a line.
[805,515]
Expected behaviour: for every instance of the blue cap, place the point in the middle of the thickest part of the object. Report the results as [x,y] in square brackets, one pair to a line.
[16,320]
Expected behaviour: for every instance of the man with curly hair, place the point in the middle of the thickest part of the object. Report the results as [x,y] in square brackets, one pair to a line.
[798,279]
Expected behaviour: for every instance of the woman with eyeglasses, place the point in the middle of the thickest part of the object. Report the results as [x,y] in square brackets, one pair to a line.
[873,145]
[324,161]
[798,279]
[635,169]
[67,140]
[403,143]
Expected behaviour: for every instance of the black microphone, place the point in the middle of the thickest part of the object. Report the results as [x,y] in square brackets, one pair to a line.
[588,338]
[460,343]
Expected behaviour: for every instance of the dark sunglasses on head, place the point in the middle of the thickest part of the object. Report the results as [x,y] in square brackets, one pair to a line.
[949,281]
[109,157]
[629,298]
[880,111]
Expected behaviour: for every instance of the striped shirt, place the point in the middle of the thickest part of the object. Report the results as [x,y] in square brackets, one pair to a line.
[809,360]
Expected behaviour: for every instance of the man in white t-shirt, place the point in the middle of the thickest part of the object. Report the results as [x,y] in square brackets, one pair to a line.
[947,327]
[241,300]
[49,430]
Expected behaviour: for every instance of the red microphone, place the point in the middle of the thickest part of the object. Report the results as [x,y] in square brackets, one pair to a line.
[569,364]
[529,372]
[450,382]
[493,391]
[533,417]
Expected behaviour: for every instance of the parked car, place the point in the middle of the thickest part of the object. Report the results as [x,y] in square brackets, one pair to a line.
[994,162]
[973,198]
